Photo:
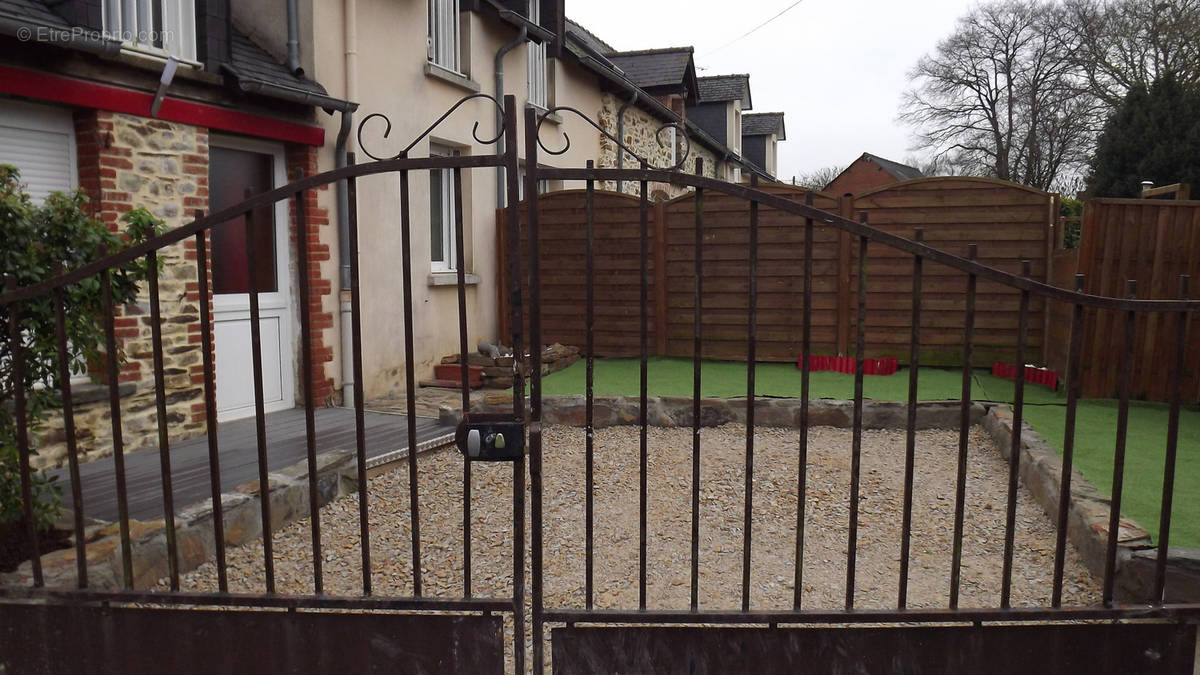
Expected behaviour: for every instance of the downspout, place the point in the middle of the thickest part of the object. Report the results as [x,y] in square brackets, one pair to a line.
[621,131]
[345,254]
[522,36]
[293,39]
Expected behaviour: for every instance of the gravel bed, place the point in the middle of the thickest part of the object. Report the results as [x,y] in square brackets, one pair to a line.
[721,506]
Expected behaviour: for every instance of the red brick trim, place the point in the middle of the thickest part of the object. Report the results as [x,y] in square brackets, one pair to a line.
[302,161]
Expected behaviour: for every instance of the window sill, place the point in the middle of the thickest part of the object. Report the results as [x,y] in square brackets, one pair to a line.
[553,118]
[437,72]
[451,279]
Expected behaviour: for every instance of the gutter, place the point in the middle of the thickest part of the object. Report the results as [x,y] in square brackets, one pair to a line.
[345,253]
[522,36]
[283,92]
[293,39]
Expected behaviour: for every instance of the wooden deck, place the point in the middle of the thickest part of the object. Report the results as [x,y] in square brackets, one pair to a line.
[387,436]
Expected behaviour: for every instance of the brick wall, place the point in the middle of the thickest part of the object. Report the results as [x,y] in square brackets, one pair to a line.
[125,162]
[302,161]
[860,177]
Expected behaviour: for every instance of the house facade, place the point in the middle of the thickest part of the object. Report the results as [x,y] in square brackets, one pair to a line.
[169,105]
[188,106]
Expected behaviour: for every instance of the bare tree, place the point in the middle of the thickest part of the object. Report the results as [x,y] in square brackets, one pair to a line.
[1121,44]
[1003,96]
[819,179]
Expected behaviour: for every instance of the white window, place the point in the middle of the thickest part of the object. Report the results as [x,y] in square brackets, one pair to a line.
[160,27]
[40,141]
[543,185]
[536,61]
[443,34]
[673,139]
[441,214]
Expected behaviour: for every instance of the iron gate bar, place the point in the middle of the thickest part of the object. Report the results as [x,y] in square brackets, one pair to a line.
[1014,455]
[589,394]
[114,406]
[306,370]
[192,598]
[68,413]
[1177,613]
[260,421]
[210,405]
[643,387]
[805,366]
[18,370]
[964,426]
[1118,481]
[910,436]
[697,346]
[860,346]
[360,422]
[464,372]
[751,343]
[887,239]
[1068,454]
[1168,490]
[160,400]
[535,388]
[510,161]
[410,379]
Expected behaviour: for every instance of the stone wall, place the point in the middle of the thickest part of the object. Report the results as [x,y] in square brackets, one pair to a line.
[126,162]
[641,136]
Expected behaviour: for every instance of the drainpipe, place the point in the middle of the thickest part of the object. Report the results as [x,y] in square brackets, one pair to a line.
[293,39]
[350,21]
[621,131]
[522,36]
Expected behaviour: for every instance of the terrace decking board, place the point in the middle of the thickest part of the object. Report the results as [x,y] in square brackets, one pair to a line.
[189,458]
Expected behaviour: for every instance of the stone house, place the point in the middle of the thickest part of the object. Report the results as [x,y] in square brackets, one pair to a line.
[869,172]
[82,105]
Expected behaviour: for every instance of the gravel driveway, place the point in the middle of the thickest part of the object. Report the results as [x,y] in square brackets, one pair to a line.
[721,504]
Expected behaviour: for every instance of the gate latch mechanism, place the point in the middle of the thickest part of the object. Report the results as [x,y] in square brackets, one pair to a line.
[487,438]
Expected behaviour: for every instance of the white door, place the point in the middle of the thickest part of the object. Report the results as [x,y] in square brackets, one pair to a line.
[235,166]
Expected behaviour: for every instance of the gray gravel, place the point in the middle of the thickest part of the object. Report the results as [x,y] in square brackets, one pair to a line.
[721,505]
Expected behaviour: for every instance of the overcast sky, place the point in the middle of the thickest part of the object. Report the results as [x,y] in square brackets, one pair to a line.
[837,68]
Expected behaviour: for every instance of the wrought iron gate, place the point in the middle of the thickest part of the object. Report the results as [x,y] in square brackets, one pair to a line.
[130,626]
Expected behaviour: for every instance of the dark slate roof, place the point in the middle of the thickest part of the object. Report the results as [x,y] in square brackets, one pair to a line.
[30,10]
[725,88]
[253,62]
[589,39]
[654,67]
[763,124]
[894,169]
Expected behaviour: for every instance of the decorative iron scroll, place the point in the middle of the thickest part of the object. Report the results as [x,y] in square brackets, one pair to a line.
[680,160]
[387,130]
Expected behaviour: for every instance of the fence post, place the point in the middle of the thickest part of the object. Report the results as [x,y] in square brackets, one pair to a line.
[845,210]
[660,278]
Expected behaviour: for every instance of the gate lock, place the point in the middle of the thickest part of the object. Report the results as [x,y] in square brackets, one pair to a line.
[490,438]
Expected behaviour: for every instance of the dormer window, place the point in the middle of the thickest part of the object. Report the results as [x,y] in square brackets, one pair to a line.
[444,34]
[158,27]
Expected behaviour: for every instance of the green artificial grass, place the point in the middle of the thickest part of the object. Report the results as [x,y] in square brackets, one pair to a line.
[1045,410]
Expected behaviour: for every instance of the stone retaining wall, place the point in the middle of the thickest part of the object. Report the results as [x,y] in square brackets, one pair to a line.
[1087,520]
[337,475]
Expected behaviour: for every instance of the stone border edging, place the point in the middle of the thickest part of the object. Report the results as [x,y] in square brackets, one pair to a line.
[1087,519]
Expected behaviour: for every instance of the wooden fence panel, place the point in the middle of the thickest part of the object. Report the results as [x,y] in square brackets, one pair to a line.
[724,308]
[1009,223]
[1153,242]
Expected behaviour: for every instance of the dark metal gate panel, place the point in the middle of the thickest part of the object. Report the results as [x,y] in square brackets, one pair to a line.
[89,639]
[1083,649]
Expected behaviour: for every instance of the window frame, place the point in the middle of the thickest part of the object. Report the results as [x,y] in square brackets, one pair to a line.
[176,27]
[449,262]
[537,65]
[444,42]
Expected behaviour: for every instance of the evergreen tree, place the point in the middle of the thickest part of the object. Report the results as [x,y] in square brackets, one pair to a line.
[1154,135]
